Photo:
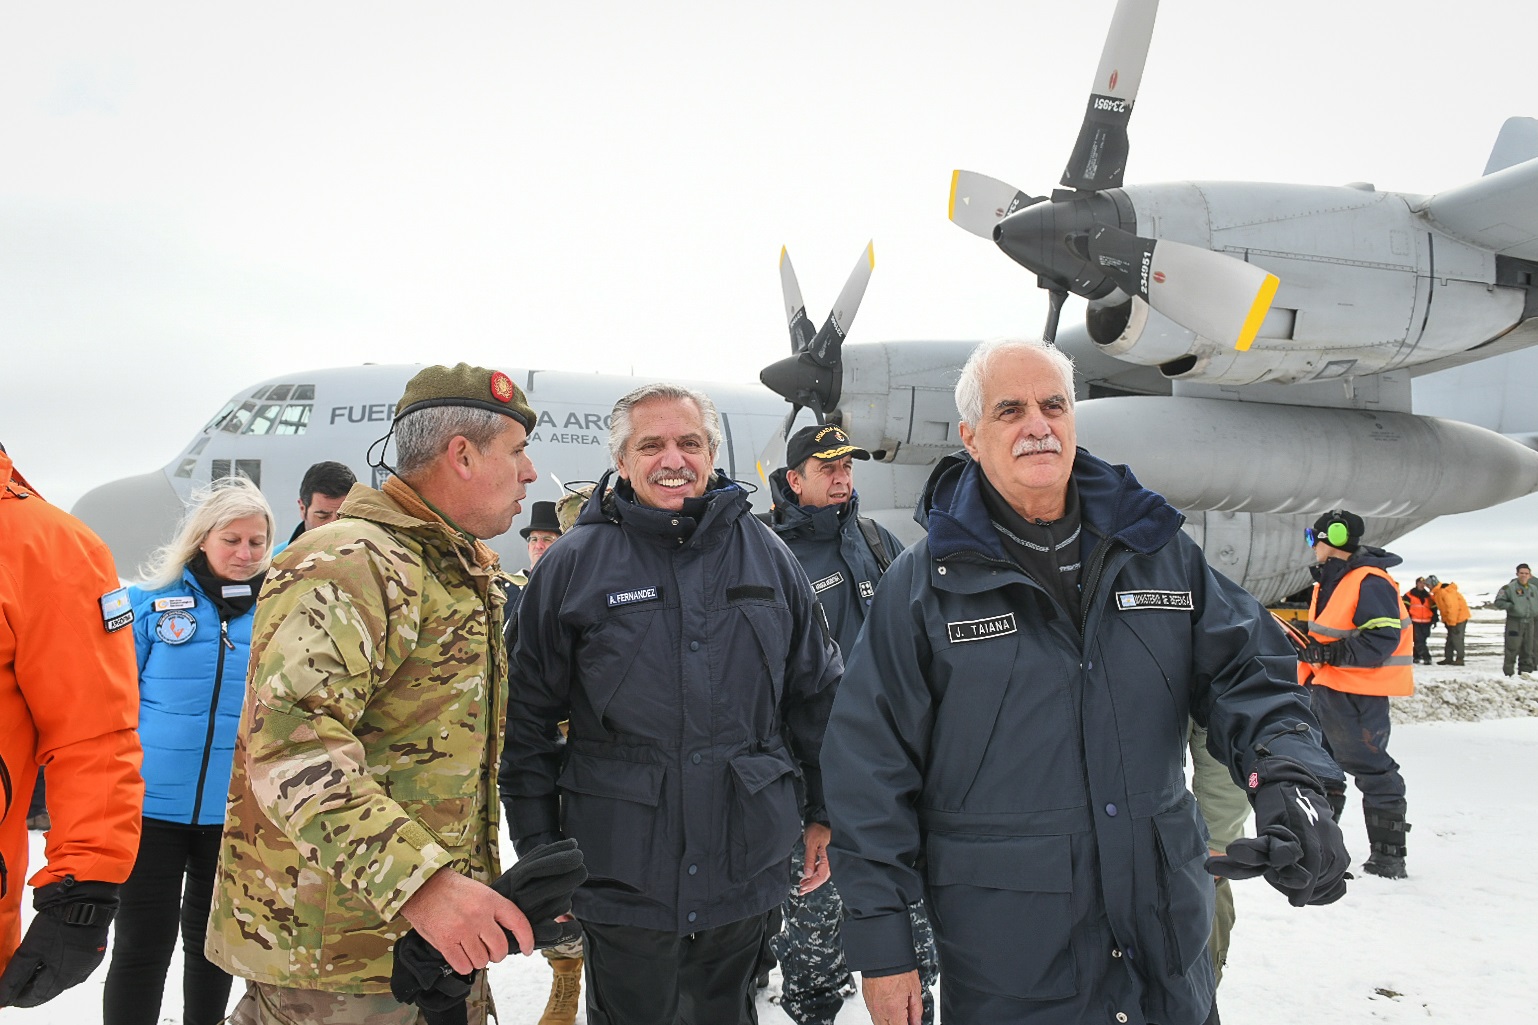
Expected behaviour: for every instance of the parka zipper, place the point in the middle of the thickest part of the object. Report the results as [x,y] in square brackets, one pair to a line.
[213,711]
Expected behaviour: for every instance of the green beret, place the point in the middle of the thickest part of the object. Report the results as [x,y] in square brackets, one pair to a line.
[464,385]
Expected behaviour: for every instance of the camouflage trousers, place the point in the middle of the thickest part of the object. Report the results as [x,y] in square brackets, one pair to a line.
[264,1004]
[810,949]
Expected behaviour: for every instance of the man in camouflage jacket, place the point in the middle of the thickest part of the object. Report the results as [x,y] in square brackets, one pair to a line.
[361,803]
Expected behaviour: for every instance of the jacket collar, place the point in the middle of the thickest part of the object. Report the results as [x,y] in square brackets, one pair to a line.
[699,523]
[1331,570]
[397,505]
[1112,503]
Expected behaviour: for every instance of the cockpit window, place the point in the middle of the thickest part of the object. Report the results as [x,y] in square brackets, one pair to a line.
[267,412]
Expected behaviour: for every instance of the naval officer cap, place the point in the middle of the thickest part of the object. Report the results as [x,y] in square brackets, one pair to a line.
[821,441]
[464,385]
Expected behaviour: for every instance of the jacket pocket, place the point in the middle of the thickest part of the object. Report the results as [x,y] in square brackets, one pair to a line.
[1185,887]
[1003,913]
[765,815]
[612,808]
[448,817]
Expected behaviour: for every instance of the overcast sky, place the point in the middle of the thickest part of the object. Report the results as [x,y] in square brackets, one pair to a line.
[198,196]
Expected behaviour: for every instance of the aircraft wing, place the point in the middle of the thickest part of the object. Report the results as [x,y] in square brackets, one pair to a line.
[1497,212]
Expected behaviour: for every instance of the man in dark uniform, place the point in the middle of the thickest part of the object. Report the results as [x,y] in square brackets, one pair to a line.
[684,644]
[817,515]
[1009,737]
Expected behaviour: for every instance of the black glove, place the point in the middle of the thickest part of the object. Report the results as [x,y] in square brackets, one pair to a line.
[1320,654]
[1299,848]
[64,943]
[541,884]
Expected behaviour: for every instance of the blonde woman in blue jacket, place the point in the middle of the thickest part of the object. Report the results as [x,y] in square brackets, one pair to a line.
[192,632]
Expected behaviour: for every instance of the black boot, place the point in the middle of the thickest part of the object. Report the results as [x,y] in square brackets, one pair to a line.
[1445,662]
[1386,829]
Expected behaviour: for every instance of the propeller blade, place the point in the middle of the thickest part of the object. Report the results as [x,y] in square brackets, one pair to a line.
[1217,296]
[801,331]
[1099,157]
[773,455]
[824,349]
[978,202]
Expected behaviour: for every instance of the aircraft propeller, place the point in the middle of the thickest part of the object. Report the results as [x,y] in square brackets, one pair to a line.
[811,377]
[1079,239]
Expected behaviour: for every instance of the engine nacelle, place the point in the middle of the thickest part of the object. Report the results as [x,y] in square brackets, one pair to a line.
[1254,457]
[899,398]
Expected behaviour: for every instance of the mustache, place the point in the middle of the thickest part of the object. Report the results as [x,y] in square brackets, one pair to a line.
[1026,446]
[688,475]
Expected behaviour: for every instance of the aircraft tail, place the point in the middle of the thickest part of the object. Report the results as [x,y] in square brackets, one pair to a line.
[1517,142]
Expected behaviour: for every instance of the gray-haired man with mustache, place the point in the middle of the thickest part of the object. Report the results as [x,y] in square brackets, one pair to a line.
[684,644]
[1009,738]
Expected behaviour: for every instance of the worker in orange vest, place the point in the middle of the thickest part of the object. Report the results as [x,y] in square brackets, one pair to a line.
[69,700]
[1358,656]
[1423,616]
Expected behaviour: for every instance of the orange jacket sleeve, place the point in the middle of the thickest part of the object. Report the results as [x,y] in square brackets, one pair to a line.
[78,685]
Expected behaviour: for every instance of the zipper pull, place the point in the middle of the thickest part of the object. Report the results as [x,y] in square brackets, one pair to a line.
[224,634]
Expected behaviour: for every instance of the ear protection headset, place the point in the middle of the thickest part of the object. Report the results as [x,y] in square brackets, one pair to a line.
[1336,534]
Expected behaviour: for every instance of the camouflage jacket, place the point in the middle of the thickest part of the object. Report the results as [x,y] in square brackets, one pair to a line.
[363,758]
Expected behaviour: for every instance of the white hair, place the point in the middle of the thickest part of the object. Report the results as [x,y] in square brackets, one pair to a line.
[213,508]
[969,387]
[621,427]
[423,435]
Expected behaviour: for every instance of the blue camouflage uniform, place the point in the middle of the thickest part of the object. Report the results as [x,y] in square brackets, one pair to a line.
[844,571]
[1025,772]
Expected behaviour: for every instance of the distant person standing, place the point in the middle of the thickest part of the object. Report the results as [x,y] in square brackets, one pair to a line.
[1423,616]
[1454,610]
[565,959]
[817,515]
[192,631]
[321,492]
[1358,657]
[1519,599]
[68,701]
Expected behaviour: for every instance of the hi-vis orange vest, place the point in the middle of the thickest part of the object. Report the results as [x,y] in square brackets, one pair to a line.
[1420,608]
[1394,678]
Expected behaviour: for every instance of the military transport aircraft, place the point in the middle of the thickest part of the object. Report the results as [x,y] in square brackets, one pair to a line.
[1248,349]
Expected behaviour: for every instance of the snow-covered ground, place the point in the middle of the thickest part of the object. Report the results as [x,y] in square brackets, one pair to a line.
[1453,943]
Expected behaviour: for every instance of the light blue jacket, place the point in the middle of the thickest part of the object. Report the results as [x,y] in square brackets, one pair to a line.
[192,682]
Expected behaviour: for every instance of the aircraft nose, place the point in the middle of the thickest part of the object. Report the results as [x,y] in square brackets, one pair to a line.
[134,515]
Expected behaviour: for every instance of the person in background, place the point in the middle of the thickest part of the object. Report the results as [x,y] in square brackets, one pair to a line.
[1357,658]
[1454,610]
[1519,600]
[1423,616]
[817,514]
[1224,808]
[192,632]
[321,492]
[67,701]
[540,534]
[565,958]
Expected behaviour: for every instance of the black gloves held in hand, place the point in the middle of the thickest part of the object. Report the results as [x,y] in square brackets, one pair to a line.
[1298,848]
[1320,654]
[541,884]
[64,943]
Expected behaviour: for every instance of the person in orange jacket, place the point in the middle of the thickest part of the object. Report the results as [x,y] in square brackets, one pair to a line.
[1357,657]
[1423,616]
[69,701]
[1454,609]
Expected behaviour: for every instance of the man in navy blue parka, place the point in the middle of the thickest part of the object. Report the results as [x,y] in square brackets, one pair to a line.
[1007,741]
